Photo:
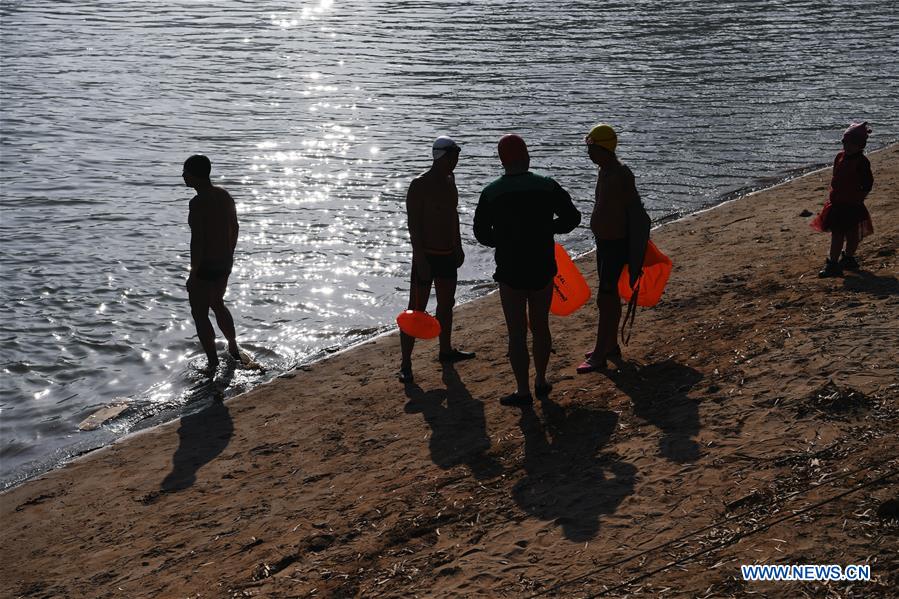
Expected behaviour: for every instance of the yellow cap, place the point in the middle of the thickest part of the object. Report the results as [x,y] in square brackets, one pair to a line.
[602,135]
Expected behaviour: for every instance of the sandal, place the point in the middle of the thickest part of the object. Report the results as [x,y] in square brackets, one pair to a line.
[588,366]
[455,355]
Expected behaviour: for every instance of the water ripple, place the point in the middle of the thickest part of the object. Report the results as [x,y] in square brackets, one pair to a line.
[316,115]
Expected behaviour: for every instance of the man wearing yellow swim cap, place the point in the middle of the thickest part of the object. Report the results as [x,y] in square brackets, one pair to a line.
[604,136]
[621,228]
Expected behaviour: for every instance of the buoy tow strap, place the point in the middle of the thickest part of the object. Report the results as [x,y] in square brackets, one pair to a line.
[631,313]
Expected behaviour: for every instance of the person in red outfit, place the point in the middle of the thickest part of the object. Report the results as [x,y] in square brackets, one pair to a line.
[844,214]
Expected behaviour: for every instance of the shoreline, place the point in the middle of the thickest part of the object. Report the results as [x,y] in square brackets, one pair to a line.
[280,484]
[41,466]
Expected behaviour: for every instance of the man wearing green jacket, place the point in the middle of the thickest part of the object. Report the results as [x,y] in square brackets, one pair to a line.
[518,214]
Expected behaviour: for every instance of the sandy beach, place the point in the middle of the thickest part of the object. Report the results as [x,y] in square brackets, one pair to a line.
[753,420]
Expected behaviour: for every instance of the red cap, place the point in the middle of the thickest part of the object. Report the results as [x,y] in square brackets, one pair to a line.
[857,133]
[512,149]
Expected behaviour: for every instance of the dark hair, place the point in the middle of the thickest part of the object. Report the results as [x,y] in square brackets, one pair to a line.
[198,166]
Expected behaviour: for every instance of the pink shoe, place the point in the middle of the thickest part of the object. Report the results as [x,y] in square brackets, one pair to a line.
[588,366]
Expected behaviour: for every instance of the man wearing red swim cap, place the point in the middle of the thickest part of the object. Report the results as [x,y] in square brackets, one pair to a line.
[518,214]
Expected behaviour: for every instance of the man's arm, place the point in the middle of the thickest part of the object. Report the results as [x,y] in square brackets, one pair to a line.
[197,234]
[414,201]
[483,225]
[234,227]
[567,214]
[414,216]
[594,214]
[458,252]
[458,242]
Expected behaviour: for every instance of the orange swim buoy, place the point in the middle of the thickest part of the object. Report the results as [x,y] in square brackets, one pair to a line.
[651,284]
[418,324]
[570,290]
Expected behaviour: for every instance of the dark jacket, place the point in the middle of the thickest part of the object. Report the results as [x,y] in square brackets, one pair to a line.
[519,215]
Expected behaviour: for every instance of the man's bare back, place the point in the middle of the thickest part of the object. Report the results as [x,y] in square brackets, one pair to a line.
[214,228]
[433,209]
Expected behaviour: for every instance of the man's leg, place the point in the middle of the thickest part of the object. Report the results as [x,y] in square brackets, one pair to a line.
[198,295]
[609,264]
[609,317]
[223,316]
[514,304]
[445,286]
[445,290]
[419,293]
[538,314]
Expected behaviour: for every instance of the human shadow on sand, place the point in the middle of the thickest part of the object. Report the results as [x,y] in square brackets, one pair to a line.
[566,481]
[458,426]
[203,435]
[868,282]
[658,393]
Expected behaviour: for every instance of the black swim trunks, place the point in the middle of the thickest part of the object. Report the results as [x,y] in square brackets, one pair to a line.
[443,266]
[214,272]
[611,256]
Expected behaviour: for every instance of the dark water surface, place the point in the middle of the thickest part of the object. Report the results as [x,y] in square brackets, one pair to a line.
[316,115]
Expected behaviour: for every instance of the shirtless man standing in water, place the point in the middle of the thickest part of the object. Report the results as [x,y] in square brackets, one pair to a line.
[432,208]
[213,237]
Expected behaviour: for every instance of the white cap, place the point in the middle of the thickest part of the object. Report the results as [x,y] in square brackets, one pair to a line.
[442,145]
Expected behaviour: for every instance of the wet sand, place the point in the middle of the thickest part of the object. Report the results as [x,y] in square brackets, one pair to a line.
[753,420]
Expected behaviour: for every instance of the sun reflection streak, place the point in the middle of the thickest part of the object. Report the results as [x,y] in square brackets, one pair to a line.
[321,225]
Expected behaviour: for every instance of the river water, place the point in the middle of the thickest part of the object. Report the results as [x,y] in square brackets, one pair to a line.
[316,115]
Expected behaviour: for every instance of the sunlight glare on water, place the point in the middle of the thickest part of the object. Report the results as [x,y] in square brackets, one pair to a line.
[316,115]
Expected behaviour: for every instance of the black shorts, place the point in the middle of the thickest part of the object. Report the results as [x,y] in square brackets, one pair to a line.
[443,266]
[213,272]
[611,256]
[205,293]
[523,281]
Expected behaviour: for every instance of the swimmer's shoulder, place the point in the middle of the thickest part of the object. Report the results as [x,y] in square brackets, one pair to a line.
[222,196]
[622,170]
[537,180]
[418,181]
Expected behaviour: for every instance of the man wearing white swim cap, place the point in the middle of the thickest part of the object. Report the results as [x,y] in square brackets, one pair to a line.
[432,208]
[442,146]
